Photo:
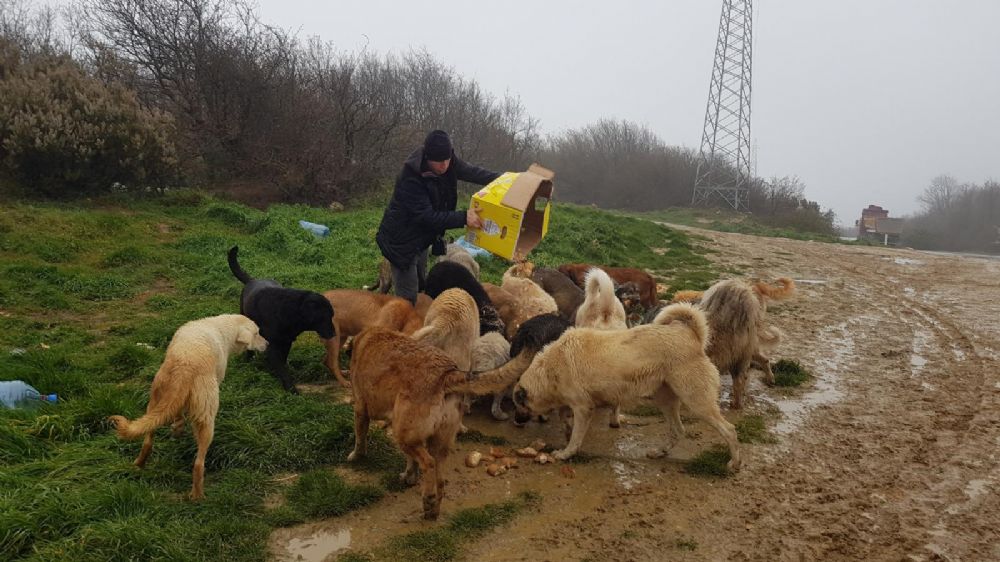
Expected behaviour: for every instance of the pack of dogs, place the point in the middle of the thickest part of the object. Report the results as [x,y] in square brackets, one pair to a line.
[563,341]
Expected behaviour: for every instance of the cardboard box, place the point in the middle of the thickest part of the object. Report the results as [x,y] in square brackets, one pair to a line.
[514,209]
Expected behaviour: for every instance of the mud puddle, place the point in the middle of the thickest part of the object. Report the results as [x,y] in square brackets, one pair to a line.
[613,461]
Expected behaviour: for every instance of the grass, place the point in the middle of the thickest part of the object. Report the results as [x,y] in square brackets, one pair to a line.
[686,544]
[444,543]
[730,221]
[789,372]
[644,410]
[92,293]
[321,493]
[710,462]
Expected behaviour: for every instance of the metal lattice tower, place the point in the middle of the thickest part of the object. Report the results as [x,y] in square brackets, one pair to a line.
[724,159]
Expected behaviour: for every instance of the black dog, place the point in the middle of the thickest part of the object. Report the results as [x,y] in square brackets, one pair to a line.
[448,275]
[281,314]
[532,337]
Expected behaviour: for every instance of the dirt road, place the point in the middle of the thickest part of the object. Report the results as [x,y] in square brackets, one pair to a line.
[890,454]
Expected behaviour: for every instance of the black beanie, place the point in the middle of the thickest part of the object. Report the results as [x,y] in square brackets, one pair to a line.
[437,146]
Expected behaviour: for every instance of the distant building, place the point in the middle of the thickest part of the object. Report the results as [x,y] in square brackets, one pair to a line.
[875,225]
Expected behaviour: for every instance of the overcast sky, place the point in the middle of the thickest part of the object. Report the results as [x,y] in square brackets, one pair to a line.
[865,100]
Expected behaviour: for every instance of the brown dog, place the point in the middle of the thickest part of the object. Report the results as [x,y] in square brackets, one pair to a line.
[419,389]
[644,281]
[359,309]
[188,381]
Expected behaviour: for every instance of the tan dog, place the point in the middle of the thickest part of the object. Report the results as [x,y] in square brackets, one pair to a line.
[188,381]
[452,325]
[740,336]
[419,390]
[355,310]
[586,368]
[602,310]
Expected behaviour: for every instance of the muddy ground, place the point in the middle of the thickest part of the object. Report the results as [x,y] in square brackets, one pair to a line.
[891,453]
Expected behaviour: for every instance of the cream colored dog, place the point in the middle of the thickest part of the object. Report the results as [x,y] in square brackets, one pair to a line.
[529,298]
[601,310]
[585,369]
[188,381]
[452,325]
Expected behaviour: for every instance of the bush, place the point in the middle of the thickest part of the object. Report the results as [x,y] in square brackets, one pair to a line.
[63,133]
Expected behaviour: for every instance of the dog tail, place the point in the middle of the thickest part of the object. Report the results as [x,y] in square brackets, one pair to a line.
[158,413]
[492,381]
[686,296]
[600,290]
[768,336]
[687,314]
[234,266]
[775,293]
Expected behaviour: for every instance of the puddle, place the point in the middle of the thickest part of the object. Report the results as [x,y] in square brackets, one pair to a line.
[910,291]
[906,261]
[810,281]
[830,363]
[319,546]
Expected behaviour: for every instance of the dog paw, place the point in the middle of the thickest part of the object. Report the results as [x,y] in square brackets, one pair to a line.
[355,455]
[734,465]
[656,454]
[500,415]
[409,478]
[562,454]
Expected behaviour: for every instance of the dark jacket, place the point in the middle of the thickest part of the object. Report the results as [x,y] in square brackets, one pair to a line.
[423,207]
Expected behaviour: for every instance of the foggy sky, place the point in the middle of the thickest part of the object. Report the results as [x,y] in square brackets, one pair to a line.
[865,101]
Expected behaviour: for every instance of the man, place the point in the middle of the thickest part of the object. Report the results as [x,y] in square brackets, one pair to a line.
[422,208]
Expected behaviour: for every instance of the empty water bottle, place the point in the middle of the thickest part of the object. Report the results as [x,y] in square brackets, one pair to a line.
[320,230]
[15,394]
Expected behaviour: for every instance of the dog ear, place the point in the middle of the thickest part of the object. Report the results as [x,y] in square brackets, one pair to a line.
[520,396]
[245,335]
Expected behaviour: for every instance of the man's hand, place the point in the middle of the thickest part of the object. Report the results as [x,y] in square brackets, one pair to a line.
[472,219]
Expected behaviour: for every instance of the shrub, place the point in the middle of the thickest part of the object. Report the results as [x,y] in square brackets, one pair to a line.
[63,133]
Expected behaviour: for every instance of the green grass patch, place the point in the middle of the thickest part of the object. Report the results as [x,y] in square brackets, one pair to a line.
[753,429]
[710,462]
[321,493]
[730,221]
[788,372]
[444,543]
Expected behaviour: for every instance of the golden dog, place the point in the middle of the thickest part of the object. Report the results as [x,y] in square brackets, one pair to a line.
[354,310]
[586,368]
[188,381]
[419,390]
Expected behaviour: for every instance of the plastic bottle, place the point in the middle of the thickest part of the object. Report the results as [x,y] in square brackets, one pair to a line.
[14,394]
[320,230]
